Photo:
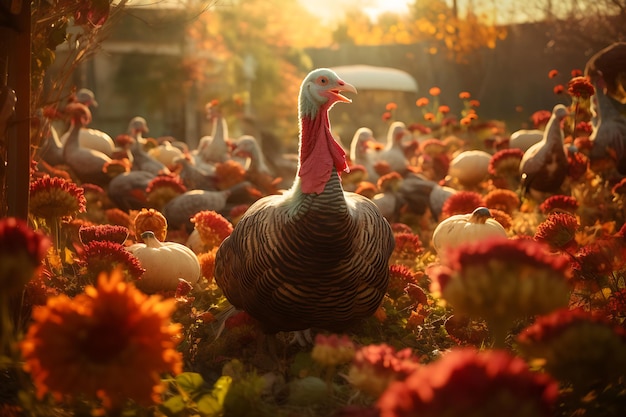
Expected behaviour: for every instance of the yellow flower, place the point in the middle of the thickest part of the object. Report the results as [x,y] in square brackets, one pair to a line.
[111,342]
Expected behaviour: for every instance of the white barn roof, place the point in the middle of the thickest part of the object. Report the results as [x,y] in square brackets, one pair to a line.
[368,77]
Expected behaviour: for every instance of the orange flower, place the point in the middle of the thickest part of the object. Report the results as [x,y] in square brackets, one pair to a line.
[462,202]
[464,95]
[422,101]
[391,106]
[386,116]
[558,89]
[207,264]
[429,116]
[230,173]
[162,189]
[502,199]
[444,109]
[474,103]
[580,87]
[150,220]
[576,73]
[111,342]
[553,73]
[434,91]
[212,227]
[559,231]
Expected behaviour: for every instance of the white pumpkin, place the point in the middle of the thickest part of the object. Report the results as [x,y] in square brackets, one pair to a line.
[165,263]
[469,168]
[462,228]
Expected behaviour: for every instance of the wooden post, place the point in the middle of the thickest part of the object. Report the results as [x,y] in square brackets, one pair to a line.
[15,46]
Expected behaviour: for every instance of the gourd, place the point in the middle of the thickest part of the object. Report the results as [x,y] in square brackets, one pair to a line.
[462,228]
[469,168]
[165,263]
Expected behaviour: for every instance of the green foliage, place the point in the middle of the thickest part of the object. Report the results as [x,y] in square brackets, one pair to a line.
[195,397]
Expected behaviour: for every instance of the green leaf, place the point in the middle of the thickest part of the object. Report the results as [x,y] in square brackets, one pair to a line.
[208,406]
[190,382]
[175,404]
[221,387]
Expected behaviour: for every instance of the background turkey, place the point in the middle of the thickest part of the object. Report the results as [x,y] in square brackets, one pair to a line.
[316,256]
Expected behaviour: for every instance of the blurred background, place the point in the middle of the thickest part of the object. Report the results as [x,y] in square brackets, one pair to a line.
[165,60]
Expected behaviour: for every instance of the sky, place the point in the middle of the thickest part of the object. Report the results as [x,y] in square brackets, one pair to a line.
[332,10]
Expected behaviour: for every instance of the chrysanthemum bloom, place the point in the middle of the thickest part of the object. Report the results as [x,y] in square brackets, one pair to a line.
[162,189]
[558,89]
[386,116]
[117,167]
[332,350]
[400,276]
[366,189]
[577,165]
[118,217]
[462,202]
[540,118]
[502,280]
[112,342]
[229,173]
[422,102]
[212,227]
[502,199]
[374,367]
[577,347]
[401,228]
[22,251]
[595,261]
[474,103]
[108,232]
[580,87]
[434,91]
[408,247]
[429,116]
[505,164]
[150,220]
[553,73]
[443,109]
[558,231]
[55,198]
[559,203]
[468,382]
[464,95]
[105,256]
[207,264]
[391,106]
[502,217]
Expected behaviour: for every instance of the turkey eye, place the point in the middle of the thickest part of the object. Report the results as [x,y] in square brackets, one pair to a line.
[322,80]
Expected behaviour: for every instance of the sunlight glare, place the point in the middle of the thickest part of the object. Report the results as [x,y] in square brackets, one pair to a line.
[379,7]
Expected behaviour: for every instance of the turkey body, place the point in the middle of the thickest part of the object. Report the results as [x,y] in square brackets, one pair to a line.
[316,256]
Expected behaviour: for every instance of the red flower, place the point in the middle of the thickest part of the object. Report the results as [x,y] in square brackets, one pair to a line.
[502,199]
[462,202]
[22,250]
[559,203]
[540,118]
[55,198]
[408,247]
[580,87]
[466,381]
[577,347]
[464,95]
[474,103]
[400,276]
[553,73]
[108,232]
[558,89]
[105,256]
[386,116]
[558,231]
[504,160]
[375,366]
[391,106]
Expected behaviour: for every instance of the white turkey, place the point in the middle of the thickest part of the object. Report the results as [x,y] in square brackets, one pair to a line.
[361,152]
[87,164]
[393,153]
[316,256]
[257,171]
[214,148]
[544,166]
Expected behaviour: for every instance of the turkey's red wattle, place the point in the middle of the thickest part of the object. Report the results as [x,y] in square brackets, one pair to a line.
[318,153]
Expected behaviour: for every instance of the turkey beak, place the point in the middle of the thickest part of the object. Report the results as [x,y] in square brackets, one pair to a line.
[341,87]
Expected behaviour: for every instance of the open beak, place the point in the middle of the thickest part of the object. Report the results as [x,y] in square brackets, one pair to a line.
[343,86]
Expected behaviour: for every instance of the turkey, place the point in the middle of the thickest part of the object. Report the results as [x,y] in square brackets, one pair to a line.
[213,149]
[193,177]
[93,139]
[417,194]
[361,152]
[315,256]
[86,163]
[544,166]
[393,154]
[142,161]
[128,190]
[257,171]
[179,210]
[609,130]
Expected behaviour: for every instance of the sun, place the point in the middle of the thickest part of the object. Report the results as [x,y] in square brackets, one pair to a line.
[375,8]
